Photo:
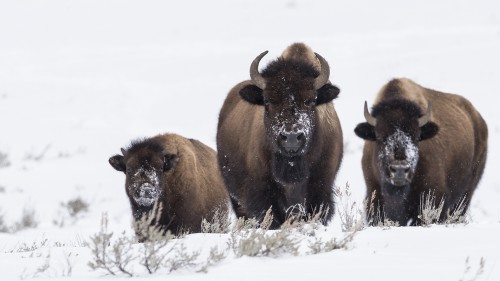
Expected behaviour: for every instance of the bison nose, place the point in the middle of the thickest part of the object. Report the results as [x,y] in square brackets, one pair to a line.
[146,191]
[292,142]
[399,171]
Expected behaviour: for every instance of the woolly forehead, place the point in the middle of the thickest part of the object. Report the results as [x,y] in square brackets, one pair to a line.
[286,77]
[139,146]
[145,153]
[282,68]
[409,108]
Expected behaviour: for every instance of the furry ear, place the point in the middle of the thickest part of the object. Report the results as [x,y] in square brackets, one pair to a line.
[252,94]
[118,163]
[428,130]
[327,93]
[365,131]
[169,161]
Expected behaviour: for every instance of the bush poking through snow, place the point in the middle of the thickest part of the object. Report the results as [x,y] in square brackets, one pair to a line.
[373,214]
[76,206]
[152,255]
[37,156]
[468,267]
[181,258]
[258,242]
[4,160]
[350,215]
[123,254]
[3,226]
[28,220]
[219,223]
[40,271]
[215,256]
[317,245]
[243,224]
[430,212]
[113,258]
[72,211]
[162,252]
[459,215]
[299,218]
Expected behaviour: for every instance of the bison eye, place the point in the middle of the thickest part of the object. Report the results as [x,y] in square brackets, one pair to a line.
[310,102]
[266,102]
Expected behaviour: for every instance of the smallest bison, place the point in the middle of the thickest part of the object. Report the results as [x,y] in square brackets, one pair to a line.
[180,175]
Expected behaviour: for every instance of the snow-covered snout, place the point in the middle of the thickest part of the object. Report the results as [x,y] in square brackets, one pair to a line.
[144,185]
[397,127]
[398,158]
[145,169]
[292,138]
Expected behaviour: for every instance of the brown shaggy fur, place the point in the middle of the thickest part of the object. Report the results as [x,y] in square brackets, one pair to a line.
[450,163]
[247,150]
[191,185]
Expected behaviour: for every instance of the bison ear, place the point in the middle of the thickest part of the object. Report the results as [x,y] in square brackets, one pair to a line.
[365,131]
[169,161]
[428,130]
[252,94]
[118,163]
[327,93]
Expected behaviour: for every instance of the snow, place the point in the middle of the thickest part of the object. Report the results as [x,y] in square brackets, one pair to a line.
[400,138]
[80,79]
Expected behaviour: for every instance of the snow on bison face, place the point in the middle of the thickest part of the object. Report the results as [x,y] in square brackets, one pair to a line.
[397,127]
[144,170]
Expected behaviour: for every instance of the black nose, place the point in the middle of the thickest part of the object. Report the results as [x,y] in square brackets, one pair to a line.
[292,142]
[399,171]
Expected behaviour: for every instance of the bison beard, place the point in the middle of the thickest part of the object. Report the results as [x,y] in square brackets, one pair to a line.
[289,170]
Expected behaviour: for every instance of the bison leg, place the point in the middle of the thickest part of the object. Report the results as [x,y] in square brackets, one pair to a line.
[320,199]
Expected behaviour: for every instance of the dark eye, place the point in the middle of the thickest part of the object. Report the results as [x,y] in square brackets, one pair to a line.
[310,102]
[129,171]
[266,102]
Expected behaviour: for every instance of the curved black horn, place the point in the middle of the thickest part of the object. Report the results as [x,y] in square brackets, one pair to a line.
[324,75]
[369,118]
[424,119]
[123,151]
[255,76]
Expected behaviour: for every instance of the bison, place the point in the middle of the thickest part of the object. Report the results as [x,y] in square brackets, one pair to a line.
[179,174]
[279,139]
[421,142]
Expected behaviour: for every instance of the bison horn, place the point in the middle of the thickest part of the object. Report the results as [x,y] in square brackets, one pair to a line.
[255,76]
[123,151]
[369,118]
[424,119]
[323,77]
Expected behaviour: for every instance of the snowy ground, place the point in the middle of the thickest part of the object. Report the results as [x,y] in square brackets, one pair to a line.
[80,79]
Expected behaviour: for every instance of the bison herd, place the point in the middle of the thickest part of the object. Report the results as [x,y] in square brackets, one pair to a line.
[280,145]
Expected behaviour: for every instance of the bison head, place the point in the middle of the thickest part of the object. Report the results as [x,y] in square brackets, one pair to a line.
[289,90]
[397,126]
[144,167]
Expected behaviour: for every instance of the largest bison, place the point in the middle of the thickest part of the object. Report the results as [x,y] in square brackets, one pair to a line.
[421,142]
[279,139]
